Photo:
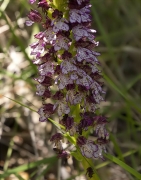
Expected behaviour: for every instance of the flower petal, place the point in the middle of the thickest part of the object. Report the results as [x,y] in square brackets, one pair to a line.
[88,153]
[40,90]
[29,22]
[46,69]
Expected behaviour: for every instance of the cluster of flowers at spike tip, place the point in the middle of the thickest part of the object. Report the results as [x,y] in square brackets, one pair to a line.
[65,57]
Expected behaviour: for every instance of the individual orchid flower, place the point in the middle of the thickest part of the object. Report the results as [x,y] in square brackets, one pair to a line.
[61,108]
[46,69]
[61,43]
[38,48]
[43,91]
[67,66]
[87,147]
[69,124]
[60,25]
[49,36]
[34,16]
[64,80]
[57,140]
[81,32]
[86,54]
[45,112]
[82,15]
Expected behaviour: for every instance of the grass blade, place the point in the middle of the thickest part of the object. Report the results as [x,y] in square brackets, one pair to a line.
[28,166]
[123,165]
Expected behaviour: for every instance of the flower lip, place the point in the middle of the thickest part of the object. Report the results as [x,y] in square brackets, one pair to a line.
[45,111]
[80,16]
[61,107]
[60,25]
[61,43]
[42,91]
[46,69]
[81,31]
[29,22]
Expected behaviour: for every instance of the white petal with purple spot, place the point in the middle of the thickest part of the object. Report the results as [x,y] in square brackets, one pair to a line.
[46,69]
[40,90]
[29,22]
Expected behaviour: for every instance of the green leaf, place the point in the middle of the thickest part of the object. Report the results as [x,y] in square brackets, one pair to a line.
[123,165]
[129,153]
[44,171]
[19,177]
[20,103]
[134,80]
[116,147]
[56,124]
[28,166]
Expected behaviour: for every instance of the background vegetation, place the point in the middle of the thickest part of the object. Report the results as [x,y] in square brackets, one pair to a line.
[25,150]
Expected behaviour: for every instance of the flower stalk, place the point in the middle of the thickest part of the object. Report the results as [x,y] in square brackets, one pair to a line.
[69,75]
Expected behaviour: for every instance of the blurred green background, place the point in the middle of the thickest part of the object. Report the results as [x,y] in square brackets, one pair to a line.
[23,139]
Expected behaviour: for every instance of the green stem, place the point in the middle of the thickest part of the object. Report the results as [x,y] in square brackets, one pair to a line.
[89,163]
[59,4]
[85,161]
